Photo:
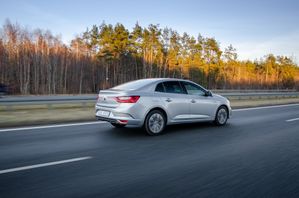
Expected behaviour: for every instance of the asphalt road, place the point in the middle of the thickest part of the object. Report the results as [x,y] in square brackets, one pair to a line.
[255,155]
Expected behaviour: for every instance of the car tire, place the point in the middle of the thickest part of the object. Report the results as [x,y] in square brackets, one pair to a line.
[118,125]
[221,116]
[155,122]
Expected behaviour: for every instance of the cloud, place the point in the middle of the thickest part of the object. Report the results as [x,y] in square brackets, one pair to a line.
[286,45]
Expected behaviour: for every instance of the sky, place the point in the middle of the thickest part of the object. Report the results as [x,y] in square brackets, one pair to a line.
[254,27]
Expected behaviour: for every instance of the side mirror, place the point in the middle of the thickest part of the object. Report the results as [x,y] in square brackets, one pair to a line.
[208,93]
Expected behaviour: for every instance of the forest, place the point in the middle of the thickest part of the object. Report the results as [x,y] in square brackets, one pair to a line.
[38,62]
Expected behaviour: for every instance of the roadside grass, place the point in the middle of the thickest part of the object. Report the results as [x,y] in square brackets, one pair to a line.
[261,102]
[45,116]
[63,113]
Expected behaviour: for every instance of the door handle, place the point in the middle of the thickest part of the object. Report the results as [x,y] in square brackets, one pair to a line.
[168,100]
[193,101]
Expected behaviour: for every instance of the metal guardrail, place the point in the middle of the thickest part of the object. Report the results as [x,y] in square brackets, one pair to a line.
[39,100]
[253,90]
[262,95]
[82,100]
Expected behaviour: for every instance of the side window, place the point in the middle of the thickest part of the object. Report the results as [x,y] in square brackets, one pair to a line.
[173,87]
[160,87]
[193,89]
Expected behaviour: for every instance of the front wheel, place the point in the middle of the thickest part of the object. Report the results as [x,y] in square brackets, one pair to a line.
[221,116]
[155,122]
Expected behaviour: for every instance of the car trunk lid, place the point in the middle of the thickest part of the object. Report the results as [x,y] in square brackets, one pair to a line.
[106,98]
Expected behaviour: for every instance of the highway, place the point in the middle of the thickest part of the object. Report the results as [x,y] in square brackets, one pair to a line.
[255,155]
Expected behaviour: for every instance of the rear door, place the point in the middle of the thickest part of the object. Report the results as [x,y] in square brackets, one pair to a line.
[173,97]
[201,106]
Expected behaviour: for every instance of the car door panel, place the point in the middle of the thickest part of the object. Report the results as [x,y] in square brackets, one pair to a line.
[174,100]
[201,105]
[176,105]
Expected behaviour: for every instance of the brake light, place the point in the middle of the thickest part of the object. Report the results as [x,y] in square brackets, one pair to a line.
[127,99]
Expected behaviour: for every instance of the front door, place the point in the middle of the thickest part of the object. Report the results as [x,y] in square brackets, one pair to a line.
[201,106]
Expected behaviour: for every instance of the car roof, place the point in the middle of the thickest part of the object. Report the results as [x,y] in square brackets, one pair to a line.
[161,79]
[153,81]
[144,83]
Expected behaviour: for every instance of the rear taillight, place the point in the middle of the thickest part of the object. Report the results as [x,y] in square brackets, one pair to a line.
[127,99]
[99,98]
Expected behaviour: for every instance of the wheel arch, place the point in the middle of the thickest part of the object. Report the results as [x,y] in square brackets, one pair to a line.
[157,108]
[226,107]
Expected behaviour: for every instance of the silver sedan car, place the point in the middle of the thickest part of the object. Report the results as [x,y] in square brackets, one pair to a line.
[157,102]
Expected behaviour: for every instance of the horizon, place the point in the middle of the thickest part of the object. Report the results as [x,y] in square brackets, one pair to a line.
[268,28]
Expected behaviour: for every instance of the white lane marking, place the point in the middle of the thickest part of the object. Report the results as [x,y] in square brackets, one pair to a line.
[44,164]
[266,107]
[51,126]
[101,122]
[291,120]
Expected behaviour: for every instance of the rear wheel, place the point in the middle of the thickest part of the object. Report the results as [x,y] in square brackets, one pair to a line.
[118,125]
[155,122]
[221,116]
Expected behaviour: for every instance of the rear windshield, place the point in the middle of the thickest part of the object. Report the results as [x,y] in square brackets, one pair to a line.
[133,85]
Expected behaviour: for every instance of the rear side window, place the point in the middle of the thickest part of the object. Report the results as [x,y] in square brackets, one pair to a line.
[160,87]
[173,87]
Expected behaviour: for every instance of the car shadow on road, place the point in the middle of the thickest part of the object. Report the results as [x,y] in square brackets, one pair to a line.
[172,130]
[127,132]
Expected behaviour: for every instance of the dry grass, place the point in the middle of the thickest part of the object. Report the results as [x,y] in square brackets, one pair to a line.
[36,115]
[42,116]
[262,102]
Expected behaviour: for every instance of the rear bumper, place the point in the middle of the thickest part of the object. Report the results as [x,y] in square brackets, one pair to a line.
[119,118]
[107,120]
